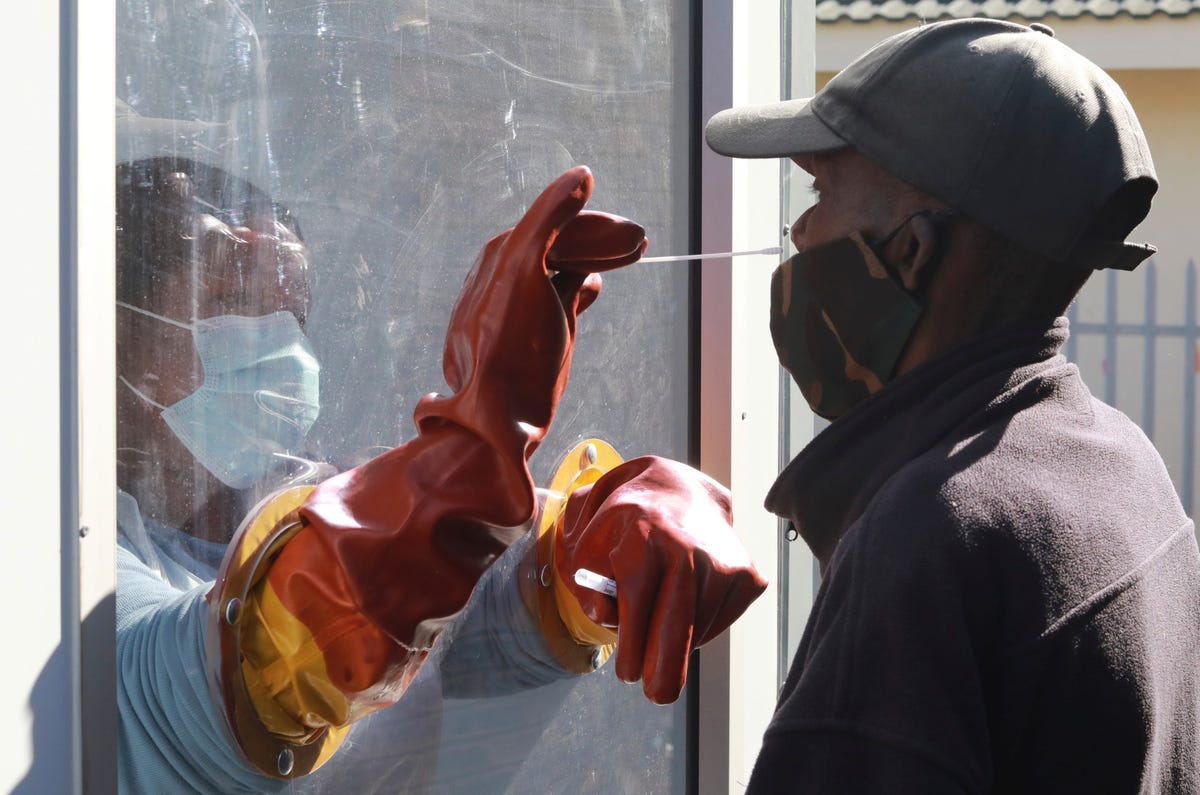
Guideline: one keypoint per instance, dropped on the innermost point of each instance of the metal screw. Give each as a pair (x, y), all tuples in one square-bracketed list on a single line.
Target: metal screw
[(285, 761), (233, 611), (83, 531), (597, 659), (590, 453)]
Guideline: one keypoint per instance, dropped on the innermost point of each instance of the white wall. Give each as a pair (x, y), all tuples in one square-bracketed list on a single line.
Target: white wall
[(57, 402), (37, 692)]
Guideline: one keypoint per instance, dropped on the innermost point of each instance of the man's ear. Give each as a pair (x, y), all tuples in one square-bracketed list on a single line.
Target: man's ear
[(913, 252)]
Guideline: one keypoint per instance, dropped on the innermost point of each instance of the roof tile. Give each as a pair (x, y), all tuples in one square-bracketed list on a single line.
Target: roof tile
[(832, 11)]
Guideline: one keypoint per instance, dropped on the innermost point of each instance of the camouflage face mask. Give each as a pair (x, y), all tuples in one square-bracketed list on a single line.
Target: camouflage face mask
[(840, 322)]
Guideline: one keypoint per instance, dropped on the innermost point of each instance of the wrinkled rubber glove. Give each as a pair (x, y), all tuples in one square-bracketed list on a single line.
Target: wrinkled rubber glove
[(664, 532), (387, 553)]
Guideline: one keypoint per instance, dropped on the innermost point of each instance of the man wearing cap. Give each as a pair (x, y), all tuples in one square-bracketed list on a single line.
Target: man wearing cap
[(1011, 590)]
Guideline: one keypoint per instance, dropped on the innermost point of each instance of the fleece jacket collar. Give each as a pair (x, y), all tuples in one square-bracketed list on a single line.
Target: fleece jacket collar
[(830, 483)]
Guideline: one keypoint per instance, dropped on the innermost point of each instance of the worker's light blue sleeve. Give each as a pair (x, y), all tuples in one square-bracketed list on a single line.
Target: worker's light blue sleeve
[(171, 738), (496, 646), (467, 722)]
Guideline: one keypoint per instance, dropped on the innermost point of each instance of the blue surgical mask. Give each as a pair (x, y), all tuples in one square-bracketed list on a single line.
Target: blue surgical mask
[(258, 400)]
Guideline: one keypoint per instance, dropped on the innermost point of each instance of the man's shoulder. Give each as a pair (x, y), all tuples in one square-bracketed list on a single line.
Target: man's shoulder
[(1067, 455), (1055, 501)]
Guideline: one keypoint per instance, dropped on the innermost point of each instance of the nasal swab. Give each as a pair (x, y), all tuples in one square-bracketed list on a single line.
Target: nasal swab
[(773, 250)]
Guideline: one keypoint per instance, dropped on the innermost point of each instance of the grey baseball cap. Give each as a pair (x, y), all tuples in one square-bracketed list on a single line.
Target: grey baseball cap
[(1003, 122)]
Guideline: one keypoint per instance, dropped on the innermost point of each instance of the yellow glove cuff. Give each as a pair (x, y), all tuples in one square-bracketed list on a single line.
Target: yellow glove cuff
[(267, 670), (577, 643)]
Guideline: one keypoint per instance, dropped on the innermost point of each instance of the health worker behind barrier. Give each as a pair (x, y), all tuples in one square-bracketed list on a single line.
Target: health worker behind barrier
[(245, 657), (1010, 587)]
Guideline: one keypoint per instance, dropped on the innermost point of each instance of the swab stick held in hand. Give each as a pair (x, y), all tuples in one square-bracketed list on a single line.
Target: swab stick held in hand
[(772, 250)]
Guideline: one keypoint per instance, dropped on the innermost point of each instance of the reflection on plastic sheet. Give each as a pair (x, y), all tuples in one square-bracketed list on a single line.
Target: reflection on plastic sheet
[(400, 136)]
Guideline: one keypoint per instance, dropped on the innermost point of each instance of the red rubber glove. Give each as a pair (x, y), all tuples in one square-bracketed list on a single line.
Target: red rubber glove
[(389, 552), (664, 532)]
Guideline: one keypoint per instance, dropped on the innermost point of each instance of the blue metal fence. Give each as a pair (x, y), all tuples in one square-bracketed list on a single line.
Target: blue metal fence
[(1150, 330)]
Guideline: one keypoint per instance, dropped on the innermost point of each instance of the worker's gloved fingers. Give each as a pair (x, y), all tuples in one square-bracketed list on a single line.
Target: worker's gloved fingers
[(599, 607), (635, 597), (592, 242), (519, 252), (669, 638), (577, 291), (742, 589), (552, 209), (569, 559), (665, 531)]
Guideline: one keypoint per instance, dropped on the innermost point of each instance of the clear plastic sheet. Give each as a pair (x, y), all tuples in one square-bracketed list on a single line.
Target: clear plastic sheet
[(394, 138)]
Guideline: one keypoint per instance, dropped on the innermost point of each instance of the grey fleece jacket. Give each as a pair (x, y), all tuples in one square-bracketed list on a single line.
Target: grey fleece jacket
[(1011, 592)]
